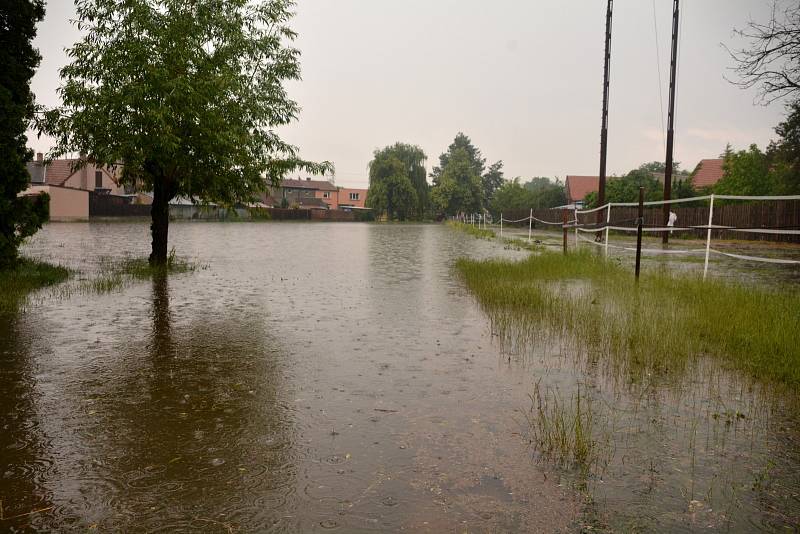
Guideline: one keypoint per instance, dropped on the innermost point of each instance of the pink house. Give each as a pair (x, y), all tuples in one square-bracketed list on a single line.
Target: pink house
[(318, 194), (63, 173)]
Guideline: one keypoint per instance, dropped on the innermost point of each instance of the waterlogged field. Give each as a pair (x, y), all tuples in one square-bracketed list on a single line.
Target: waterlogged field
[(299, 377), (673, 403), (347, 377)]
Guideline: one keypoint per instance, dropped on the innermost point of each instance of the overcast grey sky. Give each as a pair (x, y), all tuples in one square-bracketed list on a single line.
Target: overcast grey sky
[(522, 78)]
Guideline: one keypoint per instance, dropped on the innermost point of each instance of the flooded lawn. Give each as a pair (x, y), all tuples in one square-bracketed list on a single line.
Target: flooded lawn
[(308, 377), (324, 377)]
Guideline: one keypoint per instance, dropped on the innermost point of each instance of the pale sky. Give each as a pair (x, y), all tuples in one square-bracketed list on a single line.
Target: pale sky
[(522, 78)]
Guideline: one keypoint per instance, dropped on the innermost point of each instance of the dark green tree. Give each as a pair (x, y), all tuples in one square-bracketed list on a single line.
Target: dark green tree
[(626, 188), (187, 96), (459, 187), (546, 193), (474, 156), (492, 180), (747, 172), (413, 159), (391, 191), (20, 217), (785, 152)]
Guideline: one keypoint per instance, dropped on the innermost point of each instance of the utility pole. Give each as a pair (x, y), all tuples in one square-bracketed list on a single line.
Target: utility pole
[(601, 193), (671, 116)]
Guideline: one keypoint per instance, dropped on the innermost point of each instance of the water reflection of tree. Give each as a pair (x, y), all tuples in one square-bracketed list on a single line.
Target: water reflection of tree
[(200, 435), (25, 460)]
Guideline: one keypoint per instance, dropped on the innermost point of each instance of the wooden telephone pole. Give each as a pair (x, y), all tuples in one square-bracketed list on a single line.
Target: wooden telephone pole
[(601, 193), (671, 116)]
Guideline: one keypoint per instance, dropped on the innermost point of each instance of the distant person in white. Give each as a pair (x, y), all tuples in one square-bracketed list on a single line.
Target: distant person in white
[(672, 218)]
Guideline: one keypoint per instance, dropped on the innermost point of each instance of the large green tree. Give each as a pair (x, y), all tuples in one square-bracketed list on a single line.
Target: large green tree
[(186, 95), (459, 187), (473, 154), (391, 191), (413, 160), (785, 153), (20, 217)]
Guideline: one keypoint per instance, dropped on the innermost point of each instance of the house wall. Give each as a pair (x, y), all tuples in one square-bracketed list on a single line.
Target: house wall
[(332, 200), (65, 204), (84, 179), (344, 198)]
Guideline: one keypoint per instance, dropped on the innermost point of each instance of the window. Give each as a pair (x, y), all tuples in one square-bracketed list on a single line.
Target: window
[(326, 194), (98, 179), (354, 196)]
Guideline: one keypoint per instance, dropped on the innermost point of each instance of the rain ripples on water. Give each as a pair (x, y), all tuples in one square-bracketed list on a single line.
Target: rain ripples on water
[(339, 377)]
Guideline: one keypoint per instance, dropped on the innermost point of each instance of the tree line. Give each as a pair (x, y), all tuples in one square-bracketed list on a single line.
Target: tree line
[(460, 183)]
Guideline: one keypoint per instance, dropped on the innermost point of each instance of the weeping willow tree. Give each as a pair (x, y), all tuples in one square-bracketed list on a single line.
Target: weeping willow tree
[(187, 96), (389, 170)]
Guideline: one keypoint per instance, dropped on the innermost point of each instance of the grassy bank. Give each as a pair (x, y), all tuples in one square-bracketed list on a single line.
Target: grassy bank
[(28, 276), (659, 325), (471, 230)]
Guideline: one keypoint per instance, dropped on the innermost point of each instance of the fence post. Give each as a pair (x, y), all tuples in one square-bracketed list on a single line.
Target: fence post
[(708, 235), (530, 226), (564, 226), (639, 222), (608, 220), (501, 224), (576, 226)]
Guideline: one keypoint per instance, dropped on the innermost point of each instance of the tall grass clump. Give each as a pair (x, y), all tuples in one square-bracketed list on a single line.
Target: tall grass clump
[(660, 324), (25, 277), (564, 431), (472, 230)]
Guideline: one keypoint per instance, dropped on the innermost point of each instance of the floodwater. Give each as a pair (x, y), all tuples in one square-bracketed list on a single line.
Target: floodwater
[(308, 377), (339, 377)]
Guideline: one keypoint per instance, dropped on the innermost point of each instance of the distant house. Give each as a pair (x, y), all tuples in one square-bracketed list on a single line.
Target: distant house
[(64, 173), (579, 186), (315, 194), (707, 173), (69, 187)]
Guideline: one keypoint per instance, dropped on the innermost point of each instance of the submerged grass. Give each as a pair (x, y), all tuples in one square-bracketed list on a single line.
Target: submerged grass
[(114, 273), (26, 277), (565, 432), (472, 230), (660, 324)]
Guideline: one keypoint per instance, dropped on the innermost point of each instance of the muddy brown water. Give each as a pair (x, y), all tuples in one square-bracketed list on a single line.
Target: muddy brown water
[(339, 377), (311, 377)]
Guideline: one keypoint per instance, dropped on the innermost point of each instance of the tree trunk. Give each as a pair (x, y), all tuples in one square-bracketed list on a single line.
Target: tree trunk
[(164, 190)]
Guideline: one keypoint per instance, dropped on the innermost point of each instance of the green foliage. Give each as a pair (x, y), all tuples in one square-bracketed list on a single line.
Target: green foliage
[(492, 181), (626, 188), (476, 159), (538, 193), (186, 95), (785, 153), (25, 277), (459, 186), (20, 217), (390, 189), (412, 160), (747, 172)]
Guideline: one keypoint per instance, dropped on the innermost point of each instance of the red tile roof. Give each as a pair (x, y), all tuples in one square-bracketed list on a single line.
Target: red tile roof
[(708, 173), (318, 185), (59, 171), (580, 186)]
